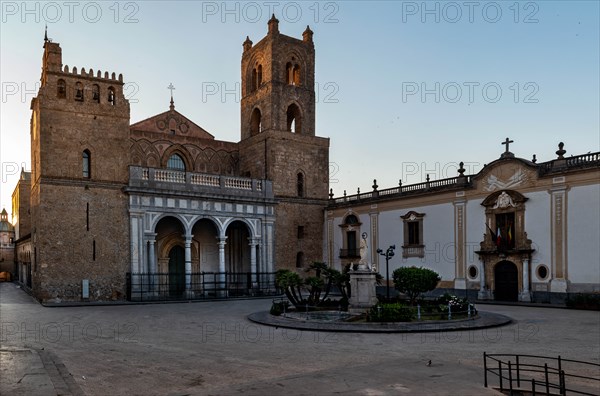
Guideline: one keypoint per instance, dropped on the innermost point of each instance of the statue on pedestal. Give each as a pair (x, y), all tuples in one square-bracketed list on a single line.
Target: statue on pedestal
[(364, 253)]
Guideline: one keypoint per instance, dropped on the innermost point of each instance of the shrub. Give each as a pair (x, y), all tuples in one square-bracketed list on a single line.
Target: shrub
[(279, 307), (414, 281), (391, 313)]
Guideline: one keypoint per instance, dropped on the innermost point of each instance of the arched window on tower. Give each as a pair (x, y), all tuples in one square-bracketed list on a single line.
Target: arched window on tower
[(259, 76), (96, 93), (111, 96), (255, 123), (61, 89), (254, 80), (296, 75), (175, 162), (300, 184), (87, 164), (289, 73), (294, 119), (79, 92)]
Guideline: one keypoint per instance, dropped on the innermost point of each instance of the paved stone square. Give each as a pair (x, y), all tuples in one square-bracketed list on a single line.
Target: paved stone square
[(210, 348)]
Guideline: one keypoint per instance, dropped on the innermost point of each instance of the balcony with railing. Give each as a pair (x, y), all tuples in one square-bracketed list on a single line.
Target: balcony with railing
[(142, 179)]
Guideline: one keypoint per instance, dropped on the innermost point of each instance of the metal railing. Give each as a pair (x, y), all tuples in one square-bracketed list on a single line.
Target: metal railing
[(541, 374), (199, 285)]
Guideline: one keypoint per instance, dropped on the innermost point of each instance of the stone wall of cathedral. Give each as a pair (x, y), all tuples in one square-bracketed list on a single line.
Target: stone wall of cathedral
[(80, 158), (86, 237)]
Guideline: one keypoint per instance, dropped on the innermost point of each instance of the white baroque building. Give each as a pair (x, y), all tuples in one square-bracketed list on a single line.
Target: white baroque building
[(516, 231)]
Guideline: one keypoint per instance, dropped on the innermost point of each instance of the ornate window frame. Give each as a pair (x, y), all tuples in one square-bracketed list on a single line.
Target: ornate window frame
[(348, 226), (505, 202), (410, 248)]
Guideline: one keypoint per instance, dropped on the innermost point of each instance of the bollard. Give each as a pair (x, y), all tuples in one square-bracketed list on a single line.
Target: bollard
[(418, 311)]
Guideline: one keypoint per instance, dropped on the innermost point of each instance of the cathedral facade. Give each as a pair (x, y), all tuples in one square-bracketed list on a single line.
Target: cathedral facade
[(516, 231), (160, 208)]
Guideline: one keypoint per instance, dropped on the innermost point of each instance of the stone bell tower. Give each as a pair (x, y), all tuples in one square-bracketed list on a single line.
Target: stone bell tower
[(279, 142), (80, 157)]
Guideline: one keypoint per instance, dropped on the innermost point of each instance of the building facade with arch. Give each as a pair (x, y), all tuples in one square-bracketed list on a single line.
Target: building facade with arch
[(140, 210), (516, 231)]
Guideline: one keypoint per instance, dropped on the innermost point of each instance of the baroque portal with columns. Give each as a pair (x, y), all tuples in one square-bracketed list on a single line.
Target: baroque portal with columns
[(505, 251)]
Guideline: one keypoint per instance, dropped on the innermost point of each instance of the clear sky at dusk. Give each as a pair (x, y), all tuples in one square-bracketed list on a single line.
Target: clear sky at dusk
[(404, 88)]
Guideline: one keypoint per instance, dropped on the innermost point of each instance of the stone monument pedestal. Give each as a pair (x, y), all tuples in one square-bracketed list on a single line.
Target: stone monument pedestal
[(362, 289)]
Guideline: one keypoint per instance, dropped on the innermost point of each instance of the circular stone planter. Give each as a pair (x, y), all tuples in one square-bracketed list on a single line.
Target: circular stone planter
[(299, 321)]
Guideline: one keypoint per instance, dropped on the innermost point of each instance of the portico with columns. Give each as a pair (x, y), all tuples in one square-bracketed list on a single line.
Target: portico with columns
[(191, 246)]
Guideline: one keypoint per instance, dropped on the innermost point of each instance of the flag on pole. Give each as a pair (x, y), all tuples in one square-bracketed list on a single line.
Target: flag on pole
[(498, 238), (493, 235), (509, 235)]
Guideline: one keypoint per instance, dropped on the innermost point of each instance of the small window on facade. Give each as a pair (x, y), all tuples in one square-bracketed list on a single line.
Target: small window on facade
[(176, 162), (289, 73), (61, 89), (300, 184), (79, 92), (111, 96), (473, 272), (300, 260), (296, 75), (413, 235), (254, 79), (259, 76), (300, 232), (87, 164), (294, 120), (351, 244), (542, 272), (96, 93), (255, 123)]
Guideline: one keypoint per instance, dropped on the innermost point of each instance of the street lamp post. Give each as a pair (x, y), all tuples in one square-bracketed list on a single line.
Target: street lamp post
[(389, 253)]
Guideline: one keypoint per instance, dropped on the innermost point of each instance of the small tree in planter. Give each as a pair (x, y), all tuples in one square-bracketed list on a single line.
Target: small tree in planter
[(317, 287), (414, 281), (291, 283)]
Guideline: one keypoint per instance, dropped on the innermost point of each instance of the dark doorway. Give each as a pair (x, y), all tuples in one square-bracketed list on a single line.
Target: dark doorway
[(176, 271), (506, 281)]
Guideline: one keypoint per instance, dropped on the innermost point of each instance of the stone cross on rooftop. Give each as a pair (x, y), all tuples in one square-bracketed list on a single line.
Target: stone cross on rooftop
[(507, 153), (171, 88)]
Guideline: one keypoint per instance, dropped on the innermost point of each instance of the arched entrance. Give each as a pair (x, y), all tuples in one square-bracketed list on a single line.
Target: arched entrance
[(176, 271), (506, 281), (205, 251), (237, 250)]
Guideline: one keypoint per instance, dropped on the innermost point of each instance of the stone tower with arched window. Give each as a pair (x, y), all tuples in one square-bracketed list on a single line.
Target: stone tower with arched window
[(279, 142), (80, 158)]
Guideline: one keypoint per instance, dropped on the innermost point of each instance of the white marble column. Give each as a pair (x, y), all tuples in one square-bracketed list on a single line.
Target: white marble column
[(152, 266), (253, 261), (525, 294), (136, 253), (188, 264), (135, 247), (222, 242)]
